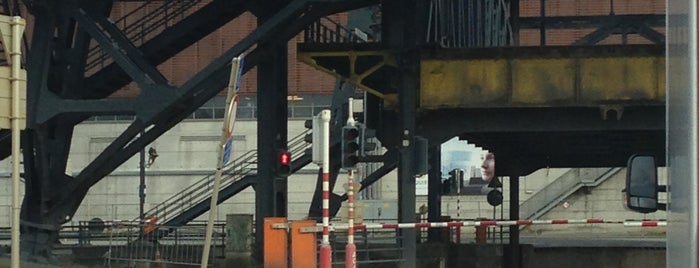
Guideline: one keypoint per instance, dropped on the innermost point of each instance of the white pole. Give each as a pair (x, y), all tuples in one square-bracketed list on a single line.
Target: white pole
[(325, 248), (350, 248), (225, 133), (15, 55), (350, 113)]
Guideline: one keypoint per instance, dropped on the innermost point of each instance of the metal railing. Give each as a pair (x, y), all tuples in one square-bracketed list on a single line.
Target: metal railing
[(142, 24), (468, 23), (180, 248), (374, 247), (563, 186), (327, 30), (203, 189)]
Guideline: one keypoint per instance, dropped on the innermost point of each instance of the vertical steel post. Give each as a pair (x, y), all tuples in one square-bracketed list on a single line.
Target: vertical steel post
[(514, 259), (514, 22), (142, 184), (272, 131), (542, 27), (434, 192), (17, 24)]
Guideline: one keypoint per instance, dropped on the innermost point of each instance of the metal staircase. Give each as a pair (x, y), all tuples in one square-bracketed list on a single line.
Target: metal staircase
[(564, 186), (139, 26), (160, 35), (195, 200)]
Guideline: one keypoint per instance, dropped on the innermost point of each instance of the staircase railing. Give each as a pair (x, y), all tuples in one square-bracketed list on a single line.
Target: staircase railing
[(327, 30), (203, 189), (563, 186), (139, 27)]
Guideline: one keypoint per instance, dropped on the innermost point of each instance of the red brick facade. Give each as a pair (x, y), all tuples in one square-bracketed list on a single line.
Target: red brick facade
[(306, 80)]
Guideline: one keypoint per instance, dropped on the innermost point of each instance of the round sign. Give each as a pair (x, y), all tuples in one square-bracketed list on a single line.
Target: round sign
[(494, 198), (231, 113)]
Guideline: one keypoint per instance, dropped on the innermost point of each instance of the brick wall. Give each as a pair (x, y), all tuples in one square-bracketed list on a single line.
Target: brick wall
[(532, 8), (303, 79)]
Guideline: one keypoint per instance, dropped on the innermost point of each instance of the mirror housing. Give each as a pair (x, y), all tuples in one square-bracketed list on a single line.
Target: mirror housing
[(641, 193)]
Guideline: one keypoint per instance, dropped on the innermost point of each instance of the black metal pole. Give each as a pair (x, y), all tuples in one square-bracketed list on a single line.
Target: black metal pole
[(142, 184), (542, 29), (514, 260), (434, 192), (272, 91), (514, 21)]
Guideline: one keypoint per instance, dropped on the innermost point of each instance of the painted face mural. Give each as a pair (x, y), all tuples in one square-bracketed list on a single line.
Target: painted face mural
[(488, 167)]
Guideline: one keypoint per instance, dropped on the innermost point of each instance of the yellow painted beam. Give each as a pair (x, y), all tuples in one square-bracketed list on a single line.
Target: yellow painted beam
[(541, 82)]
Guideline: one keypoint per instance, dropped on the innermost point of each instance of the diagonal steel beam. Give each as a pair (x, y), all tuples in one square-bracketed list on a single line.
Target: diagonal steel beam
[(597, 35), (120, 49), (168, 43), (202, 87), (193, 94), (390, 163), (651, 34)]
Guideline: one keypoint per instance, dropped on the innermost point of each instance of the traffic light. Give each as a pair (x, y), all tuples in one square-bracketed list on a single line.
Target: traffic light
[(284, 163), (350, 147), (365, 142)]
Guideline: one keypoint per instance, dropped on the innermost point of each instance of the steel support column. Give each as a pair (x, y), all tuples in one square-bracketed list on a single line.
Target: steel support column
[(403, 32), (434, 191), (400, 35), (514, 22), (272, 90), (513, 258)]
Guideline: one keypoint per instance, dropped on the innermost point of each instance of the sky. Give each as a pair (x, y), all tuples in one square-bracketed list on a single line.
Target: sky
[(460, 154)]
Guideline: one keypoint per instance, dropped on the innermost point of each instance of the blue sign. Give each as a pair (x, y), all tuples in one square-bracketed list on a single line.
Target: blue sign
[(241, 65), (227, 151)]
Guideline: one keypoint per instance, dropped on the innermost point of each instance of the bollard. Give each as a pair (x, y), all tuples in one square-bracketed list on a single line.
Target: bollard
[(275, 244)]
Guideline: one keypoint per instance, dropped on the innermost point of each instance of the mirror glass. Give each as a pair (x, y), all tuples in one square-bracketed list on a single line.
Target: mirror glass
[(642, 184)]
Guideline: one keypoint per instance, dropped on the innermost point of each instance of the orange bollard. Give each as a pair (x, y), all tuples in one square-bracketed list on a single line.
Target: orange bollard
[(275, 244), (303, 245)]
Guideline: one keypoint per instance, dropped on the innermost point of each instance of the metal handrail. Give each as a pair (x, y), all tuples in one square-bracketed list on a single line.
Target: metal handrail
[(326, 30), (147, 24), (565, 183), (202, 189), (198, 189)]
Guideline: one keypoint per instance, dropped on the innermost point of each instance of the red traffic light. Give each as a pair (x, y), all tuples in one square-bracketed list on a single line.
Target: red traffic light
[(351, 133), (284, 158)]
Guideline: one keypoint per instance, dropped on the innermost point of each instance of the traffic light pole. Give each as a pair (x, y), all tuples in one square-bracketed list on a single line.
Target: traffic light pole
[(351, 248), (325, 248)]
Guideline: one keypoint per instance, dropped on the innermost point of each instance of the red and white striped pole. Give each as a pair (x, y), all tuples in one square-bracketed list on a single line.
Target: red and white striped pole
[(645, 223), (325, 248), (351, 248), (455, 224)]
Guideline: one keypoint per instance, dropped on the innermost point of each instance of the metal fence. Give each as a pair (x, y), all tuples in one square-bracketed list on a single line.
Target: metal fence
[(468, 23), (181, 247)]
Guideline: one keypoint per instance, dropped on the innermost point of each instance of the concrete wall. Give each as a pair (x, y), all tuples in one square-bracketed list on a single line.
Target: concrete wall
[(187, 154)]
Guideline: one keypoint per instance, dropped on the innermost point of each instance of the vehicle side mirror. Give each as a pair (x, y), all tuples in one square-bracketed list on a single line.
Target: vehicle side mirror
[(641, 184)]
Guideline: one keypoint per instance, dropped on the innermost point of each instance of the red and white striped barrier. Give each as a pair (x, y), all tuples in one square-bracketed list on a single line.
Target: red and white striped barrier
[(455, 224), (458, 224), (645, 223), (469, 223)]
